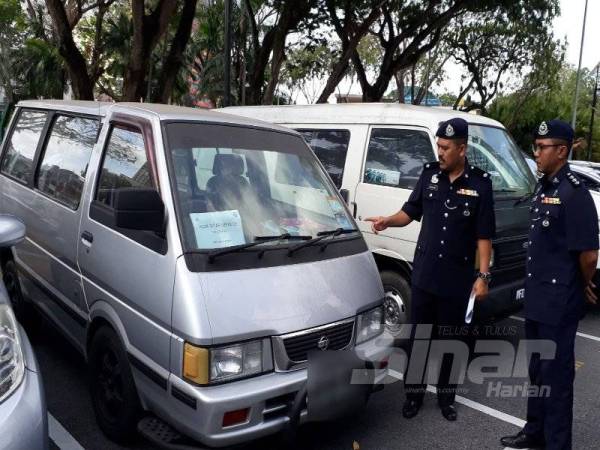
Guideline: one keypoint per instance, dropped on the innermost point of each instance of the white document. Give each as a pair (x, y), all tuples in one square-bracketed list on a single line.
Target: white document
[(470, 306), (218, 229)]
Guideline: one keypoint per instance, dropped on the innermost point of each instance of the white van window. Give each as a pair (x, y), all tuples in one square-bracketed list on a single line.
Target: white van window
[(236, 185), (396, 157), (125, 164), (491, 149), (331, 147), (65, 160), (18, 159)]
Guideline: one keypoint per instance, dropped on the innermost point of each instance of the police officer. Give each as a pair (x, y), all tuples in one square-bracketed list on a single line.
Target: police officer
[(456, 203), (561, 260)]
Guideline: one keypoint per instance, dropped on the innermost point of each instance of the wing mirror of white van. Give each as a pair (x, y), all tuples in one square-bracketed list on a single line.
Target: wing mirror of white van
[(12, 231), (345, 194), (139, 209)]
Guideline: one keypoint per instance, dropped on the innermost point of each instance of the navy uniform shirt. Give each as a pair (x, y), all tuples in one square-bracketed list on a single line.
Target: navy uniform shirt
[(564, 223), (455, 215)]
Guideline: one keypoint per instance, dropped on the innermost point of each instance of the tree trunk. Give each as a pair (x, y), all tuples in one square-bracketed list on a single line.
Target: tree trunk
[(147, 30), (335, 78), (174, 61), (83, 88)]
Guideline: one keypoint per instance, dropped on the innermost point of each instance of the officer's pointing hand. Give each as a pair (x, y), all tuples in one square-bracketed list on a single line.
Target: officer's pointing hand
[(378, 223), (590, 295)]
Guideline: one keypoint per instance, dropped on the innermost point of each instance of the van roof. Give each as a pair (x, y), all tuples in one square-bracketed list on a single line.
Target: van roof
[(163, 112), (359, 113)]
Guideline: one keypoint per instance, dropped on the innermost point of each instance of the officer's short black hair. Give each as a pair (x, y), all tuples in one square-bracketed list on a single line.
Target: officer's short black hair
[(564, 142)]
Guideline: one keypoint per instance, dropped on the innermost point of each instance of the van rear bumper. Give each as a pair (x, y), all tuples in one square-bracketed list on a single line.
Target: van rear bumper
[(268, 398), (502, 301)]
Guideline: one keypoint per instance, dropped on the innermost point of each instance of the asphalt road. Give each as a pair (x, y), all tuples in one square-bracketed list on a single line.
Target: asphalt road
[(483, 418)]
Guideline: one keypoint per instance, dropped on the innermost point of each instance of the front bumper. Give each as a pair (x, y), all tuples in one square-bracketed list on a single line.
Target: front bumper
[(23, 416), (269, 397)]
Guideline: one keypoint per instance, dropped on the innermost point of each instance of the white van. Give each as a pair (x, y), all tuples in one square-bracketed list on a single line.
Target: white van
[(374, 154)]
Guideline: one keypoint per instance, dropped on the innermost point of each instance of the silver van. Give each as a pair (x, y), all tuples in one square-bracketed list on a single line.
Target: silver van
[(198, 260)]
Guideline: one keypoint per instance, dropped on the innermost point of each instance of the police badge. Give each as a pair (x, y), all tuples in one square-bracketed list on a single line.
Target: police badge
[(434, 179), (449, 131), (543, 130)]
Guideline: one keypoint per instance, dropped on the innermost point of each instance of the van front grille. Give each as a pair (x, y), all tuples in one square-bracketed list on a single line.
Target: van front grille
[(336, 337)]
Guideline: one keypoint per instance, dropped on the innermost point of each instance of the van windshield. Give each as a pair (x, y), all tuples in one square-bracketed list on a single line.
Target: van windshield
[(237, 185), (493, 150)]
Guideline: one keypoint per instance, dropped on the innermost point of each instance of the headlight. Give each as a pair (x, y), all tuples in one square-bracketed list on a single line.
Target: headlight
[(369, 324), (12, 366), (218, 364)]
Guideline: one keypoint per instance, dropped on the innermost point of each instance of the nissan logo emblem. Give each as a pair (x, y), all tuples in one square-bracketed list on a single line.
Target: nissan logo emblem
[(323, 343)]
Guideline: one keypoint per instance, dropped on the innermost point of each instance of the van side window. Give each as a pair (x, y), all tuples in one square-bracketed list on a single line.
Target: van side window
[(66, 157), (18, 159), (125, 164), (331, 147), (395, 157)]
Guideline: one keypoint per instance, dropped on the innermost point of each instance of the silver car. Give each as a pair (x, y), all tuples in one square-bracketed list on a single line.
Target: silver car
[(23, 417), (201, 262)]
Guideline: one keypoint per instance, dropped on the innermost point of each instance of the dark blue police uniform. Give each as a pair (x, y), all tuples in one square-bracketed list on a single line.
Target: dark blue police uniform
[(454, 215), (564, 223)]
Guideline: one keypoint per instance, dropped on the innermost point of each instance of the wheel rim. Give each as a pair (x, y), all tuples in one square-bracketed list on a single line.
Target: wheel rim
[(396, 312), (109, 383)]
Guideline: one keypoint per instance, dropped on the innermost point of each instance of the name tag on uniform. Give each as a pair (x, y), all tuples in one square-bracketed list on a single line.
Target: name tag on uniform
[(469, 192), (551, 200)]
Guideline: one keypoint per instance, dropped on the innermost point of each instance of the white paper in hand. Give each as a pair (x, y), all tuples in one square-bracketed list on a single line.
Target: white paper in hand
[(470, 306)]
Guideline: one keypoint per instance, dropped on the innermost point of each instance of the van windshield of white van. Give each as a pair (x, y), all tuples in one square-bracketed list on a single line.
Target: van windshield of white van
[(238, 185), (493, 150)]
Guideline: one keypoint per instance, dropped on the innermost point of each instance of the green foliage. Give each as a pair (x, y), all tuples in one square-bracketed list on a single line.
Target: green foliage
[(522, 112)]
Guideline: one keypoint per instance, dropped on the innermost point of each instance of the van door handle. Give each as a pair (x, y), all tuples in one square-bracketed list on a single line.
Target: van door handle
[(87, 236), (354, 206)]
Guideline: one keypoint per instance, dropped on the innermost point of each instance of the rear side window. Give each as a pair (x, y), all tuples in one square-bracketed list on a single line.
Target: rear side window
[(395, 157), (66, 157), (23, 142), (125, 164), (331, 147)]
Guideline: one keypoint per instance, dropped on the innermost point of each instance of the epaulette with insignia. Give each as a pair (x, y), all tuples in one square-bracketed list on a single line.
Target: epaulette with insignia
[(575, 181), (477, 171), (432, 165)]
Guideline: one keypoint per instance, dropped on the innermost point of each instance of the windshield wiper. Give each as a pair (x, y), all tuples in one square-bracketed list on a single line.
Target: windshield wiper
[(320, 236), (257, 241)]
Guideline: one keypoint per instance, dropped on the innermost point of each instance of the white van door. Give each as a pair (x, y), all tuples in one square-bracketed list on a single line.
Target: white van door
[(393, 160)]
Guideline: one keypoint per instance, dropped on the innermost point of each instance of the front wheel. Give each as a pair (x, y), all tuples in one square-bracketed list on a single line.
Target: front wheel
[(114, 395), (397, 299)]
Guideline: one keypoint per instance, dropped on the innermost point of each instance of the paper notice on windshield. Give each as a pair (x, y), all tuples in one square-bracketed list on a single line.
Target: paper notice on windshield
[(218, 229), (470, 307)]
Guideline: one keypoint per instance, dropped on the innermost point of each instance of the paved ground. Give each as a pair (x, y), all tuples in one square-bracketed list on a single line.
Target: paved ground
[(482, 419)]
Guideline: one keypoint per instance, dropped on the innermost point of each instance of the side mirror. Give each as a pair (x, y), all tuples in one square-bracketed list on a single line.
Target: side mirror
[(345, 194), (12, 231), (138, 209)]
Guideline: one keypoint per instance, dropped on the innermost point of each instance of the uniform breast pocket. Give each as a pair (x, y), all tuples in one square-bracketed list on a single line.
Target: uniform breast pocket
[(550, 217), (431, 194), (466, 206)]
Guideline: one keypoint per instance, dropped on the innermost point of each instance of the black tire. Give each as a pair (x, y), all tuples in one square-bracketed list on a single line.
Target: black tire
[(114, 395), (397, 299), (24, 310)]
